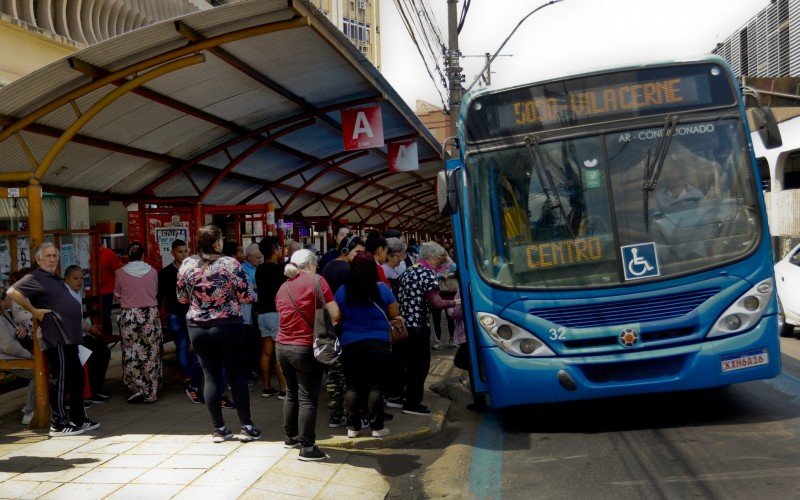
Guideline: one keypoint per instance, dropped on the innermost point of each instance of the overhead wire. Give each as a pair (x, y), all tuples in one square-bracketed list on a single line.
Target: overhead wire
[(463, 16)]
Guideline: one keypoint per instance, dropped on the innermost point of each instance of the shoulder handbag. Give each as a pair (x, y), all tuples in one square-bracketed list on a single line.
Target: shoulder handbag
[(448, 285), (397, 327), (327, 348)]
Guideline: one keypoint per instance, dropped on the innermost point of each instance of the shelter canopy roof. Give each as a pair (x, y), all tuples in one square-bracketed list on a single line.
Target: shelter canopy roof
[(236, 105)]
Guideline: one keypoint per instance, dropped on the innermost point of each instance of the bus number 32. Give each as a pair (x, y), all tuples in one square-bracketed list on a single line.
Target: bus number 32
[(558, 333)]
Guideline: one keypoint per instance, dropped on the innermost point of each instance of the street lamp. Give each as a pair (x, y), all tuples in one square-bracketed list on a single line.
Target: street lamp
[(489, 62)]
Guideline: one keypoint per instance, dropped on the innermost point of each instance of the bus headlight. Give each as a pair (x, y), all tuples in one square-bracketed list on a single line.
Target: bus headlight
[(511, 338), (745, 312)]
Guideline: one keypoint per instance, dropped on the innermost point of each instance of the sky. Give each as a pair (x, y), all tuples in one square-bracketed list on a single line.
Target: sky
[(565, 38)]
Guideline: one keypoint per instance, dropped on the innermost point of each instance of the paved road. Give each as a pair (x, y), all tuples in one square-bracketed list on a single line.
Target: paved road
[(740, 442)]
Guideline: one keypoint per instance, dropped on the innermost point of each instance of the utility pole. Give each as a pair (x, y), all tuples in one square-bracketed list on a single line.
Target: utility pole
[(453, 67), (486, 76)]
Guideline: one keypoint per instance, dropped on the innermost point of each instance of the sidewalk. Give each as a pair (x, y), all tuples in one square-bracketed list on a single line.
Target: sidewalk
[(164, 450)]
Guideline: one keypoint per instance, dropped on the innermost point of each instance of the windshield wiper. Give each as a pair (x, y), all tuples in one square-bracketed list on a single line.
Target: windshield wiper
[(540, 163), (652, 169)]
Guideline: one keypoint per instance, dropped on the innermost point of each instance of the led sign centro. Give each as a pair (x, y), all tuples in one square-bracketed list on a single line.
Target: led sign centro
[(564, 252), (605, 100)]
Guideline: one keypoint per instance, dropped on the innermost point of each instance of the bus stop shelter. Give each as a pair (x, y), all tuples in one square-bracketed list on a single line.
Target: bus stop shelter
[(237, 105)]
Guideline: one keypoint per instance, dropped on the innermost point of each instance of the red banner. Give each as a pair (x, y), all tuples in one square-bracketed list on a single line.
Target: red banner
[(362, 128), (403, 156)]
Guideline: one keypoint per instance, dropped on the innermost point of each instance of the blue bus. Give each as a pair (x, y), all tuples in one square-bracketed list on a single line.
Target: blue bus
[(612, 236)]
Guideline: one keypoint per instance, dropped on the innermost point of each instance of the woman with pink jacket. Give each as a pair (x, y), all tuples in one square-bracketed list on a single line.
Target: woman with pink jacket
[(135, 286)]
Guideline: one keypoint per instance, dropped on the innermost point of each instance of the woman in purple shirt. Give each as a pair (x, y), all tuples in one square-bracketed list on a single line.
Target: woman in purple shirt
[(136, 285)]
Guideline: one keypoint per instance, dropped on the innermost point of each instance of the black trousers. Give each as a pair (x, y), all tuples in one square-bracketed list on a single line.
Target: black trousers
[(218, 347), (106, 302), (303, 374), (364, 365), (66, 381), (437, 323), (98, 362), (414, 362)]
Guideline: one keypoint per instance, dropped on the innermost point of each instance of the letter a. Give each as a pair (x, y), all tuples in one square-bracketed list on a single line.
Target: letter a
[(362, 126)]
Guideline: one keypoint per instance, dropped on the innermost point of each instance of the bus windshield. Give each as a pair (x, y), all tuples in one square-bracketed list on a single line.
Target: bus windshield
[(611, 208)]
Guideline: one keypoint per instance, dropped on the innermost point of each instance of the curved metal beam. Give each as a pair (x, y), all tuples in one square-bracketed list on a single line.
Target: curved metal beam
[(146, 64), (264, 142), (346, 185), (105, 101), (315, 177), (369, 200)]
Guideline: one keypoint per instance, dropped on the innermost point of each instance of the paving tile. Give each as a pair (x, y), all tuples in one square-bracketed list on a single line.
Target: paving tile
[(241, 478), (53, 473), (210, 448), (261, 449), (40, 490), (151, 448), (220, 492), (79, 459), (190, 462), (56, 446), (169, 476), (319, 471), (5, 476), (106, 475), (15, 488), (288, 485), (360, 479), (22, 463), (71, 491), (255, 494), (106, 446), (254, 464), (172, 438), (149, 491), (139, 461), (335, 491), (126, 436)]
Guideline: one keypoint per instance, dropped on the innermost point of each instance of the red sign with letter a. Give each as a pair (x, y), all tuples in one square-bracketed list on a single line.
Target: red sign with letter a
[(403, 156), (362, 128)]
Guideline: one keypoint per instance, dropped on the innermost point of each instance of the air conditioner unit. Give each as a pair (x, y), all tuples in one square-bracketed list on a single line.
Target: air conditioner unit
[(362, 4)]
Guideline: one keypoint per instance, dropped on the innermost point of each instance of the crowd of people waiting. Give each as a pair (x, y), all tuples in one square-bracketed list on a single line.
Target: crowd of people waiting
[(236, 313)]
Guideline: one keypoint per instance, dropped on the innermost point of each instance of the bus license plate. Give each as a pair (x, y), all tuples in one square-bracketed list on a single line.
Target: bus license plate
[(745, 360)]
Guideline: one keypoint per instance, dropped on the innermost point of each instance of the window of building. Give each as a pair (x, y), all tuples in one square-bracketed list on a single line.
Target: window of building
[(356, 30)]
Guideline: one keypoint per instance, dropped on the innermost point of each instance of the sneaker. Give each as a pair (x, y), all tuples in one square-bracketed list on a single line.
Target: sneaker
[(335, 422), (66, 430), (249, 433), (281, 395), (87, 404), (26, 418), (269, 392), (394, 402), (221, 435), (312, 453), (379, 433), (353, 433), (291, 442), (251, 384), (364, 423), (227, 404), (88, 425), (417, 410), (194, 395), (135, 398), (436, 346), (103, 395), (97, 399)]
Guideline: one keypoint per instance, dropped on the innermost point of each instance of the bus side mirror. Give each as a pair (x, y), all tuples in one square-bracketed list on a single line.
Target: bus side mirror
[(767, 126), (446, 192)]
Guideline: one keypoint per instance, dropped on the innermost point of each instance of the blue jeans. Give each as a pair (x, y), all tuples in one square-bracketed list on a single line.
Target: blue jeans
[(187, 360)]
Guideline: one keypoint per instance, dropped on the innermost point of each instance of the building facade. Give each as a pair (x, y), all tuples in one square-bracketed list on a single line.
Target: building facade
[(765, 55), (359, 20)]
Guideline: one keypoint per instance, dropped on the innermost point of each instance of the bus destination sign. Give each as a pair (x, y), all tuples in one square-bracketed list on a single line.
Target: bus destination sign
[(604, 101), (598, 98)]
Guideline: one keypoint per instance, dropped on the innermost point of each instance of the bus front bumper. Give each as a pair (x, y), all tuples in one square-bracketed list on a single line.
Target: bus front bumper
[(749, 356)]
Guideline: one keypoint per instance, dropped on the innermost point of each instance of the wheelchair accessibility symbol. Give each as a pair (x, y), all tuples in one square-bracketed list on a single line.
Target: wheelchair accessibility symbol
[(640, 261)]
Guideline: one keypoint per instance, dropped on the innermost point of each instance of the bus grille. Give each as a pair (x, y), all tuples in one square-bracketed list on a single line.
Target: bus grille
[(626, 311), (634, 370)]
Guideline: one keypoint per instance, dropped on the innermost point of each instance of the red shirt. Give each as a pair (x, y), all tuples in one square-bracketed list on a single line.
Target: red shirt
[(382, 276), (109, 263), (292, 328)]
